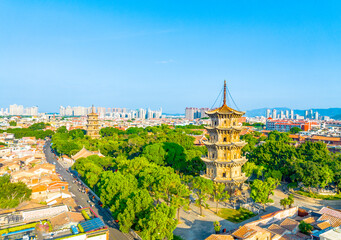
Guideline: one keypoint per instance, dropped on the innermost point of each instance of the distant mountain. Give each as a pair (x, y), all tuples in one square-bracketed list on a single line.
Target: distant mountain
[(337, 117), (330, 112)]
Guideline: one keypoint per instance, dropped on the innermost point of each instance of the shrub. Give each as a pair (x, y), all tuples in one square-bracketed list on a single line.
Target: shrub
[(85, 215), (305, 227), (217, 226), (176, 237), (80, 228)]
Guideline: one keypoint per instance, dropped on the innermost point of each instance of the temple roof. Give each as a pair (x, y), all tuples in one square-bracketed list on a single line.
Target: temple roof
[(224, 110), (85, 153)]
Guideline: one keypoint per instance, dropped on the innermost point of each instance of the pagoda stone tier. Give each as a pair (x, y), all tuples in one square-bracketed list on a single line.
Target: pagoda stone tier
[(92, 126), (224, 160)]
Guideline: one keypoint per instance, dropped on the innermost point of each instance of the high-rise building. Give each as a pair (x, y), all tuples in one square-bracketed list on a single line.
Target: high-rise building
[(306, 115), (287, 114), (203, 112), (16, 109), (268, 113), (192, 113), (274, 114), (68, 111), (292, 114), (92, 126), (31, 111), (316, 115), (189, 113), (224, 159), (62, 111)]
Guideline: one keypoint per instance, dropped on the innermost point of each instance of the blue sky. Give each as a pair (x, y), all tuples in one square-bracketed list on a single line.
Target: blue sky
[(170, 54)]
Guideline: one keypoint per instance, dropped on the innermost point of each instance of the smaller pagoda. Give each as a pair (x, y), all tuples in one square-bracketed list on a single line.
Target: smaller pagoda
[(92, 126)]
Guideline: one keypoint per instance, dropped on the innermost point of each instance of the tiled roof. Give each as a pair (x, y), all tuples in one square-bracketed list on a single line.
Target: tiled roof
[(331, 212), (289, 224), (277, 229), (224, 110), (334, 221), (309, 220), (244, 232), (219, 237), (323, 225), (65, 218), (39, 188), (316, 137)]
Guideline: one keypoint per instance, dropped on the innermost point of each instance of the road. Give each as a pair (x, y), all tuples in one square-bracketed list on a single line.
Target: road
[(82, 198)]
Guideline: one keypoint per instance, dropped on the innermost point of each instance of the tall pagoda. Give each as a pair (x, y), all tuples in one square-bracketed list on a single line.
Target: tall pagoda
[(92, 126), (224, 160)]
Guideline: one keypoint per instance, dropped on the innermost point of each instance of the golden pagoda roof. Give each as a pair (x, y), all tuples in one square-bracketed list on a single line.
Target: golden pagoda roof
[(238, 128), (225, 110)]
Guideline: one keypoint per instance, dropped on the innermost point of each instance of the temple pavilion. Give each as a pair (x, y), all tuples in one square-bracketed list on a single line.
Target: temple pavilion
[(224, 160)]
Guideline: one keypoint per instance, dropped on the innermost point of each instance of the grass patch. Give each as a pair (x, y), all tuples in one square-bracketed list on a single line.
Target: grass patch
[(235, 216), (319, 196)]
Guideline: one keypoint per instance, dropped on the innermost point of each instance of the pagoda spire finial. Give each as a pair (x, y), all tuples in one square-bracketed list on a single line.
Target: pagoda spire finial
[(224, 92), (92, 109)]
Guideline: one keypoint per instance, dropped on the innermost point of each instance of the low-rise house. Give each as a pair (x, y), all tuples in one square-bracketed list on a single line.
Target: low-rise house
[(284, 225)]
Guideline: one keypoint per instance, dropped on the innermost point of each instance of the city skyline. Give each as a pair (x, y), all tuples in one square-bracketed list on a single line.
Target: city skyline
[(155, 54)]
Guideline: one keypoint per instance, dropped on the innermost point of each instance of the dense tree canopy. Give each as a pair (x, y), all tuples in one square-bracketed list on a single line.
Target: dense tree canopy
[(141, 194), (161, 145), (310, 163), (28, 132)]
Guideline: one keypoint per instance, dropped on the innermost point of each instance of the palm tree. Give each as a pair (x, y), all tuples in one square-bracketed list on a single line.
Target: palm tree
[(284, 202)]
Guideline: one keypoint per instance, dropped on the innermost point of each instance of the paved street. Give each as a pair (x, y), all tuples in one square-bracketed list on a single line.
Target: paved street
[(82, 198)]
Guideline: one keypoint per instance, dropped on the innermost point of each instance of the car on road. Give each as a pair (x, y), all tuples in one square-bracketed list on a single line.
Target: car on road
[(79, 207)]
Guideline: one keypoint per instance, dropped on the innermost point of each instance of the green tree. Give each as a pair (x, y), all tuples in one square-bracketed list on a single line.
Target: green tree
[(135, 207), (284, 202), (12, 194), (180, 198), (203, 188), (159, 223), (290, 200), (295, 130), (155, 153), (260, 191), (305, 227), (219, 194), (37, 126), (13, 123)]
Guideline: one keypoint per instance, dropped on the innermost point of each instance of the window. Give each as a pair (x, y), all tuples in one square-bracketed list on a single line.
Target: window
[(224, 139), (63, 187), (224, 174)]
